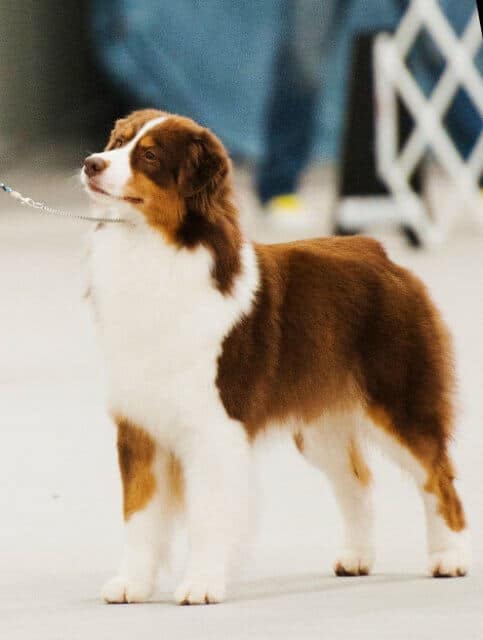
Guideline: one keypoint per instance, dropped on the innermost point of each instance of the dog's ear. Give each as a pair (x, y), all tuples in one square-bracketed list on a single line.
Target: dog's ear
[(205, 166)]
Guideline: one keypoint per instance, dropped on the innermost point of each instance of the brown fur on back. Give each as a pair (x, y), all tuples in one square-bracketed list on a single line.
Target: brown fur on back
[(334, 323)]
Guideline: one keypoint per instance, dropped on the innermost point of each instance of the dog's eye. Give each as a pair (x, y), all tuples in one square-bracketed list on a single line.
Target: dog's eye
[(118, 142), (150, 156)]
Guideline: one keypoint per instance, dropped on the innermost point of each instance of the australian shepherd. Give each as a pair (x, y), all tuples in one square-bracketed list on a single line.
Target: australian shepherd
[(211, 339)]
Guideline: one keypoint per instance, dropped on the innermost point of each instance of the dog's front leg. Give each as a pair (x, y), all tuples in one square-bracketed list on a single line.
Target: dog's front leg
[(218, 477), (152, 494)]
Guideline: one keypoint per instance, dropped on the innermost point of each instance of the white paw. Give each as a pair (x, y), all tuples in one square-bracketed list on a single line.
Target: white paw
[(121, 590), (354, 562), (200, 591), (453, 563)]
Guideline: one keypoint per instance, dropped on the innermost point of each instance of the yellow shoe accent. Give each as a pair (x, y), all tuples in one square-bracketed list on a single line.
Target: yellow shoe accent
[(286, 203), (287, 211)]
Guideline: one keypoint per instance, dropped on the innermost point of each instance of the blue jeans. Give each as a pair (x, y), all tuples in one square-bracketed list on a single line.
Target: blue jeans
[(297, 78), (269, 77), (307, 106)]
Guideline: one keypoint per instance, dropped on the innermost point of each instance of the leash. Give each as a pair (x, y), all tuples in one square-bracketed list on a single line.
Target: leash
[(43, 208)]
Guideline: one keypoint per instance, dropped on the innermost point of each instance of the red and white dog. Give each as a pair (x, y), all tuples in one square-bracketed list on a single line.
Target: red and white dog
[(211, 339)]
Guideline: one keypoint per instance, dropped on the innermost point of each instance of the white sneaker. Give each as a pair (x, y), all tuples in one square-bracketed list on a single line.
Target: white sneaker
[(287, 211)]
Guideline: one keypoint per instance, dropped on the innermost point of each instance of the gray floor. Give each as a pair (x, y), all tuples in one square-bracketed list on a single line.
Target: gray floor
[(60, 534)]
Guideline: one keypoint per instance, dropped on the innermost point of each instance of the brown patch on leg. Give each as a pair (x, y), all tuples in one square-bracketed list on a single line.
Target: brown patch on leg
[(358, 466), (299, 441), (176, 482), (440, 482), (136, 451), (432, 455)]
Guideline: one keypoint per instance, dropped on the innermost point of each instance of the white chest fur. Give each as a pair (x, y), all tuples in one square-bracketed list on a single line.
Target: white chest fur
[(161, 325)]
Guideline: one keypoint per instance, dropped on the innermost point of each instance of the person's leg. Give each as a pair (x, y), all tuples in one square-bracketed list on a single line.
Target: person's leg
[(294, 97), (289, 129)]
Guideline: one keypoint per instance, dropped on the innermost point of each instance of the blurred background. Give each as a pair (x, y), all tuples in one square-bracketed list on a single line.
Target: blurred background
[(321, 144), (288, 85)]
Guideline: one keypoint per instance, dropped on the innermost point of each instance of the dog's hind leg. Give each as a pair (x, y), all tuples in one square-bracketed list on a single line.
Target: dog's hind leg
[(406, 377), (333, 445), (423, 452)]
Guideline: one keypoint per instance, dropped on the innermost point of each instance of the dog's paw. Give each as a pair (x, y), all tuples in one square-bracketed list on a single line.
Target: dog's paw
[(120, 590), (200, 591), (354, 562), (453, 563)]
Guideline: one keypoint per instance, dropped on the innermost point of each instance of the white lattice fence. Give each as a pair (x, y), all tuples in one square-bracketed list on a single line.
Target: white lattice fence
[(393, 78)]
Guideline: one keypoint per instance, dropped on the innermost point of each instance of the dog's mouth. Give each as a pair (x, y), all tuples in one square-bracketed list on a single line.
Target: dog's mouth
[(94, 187)]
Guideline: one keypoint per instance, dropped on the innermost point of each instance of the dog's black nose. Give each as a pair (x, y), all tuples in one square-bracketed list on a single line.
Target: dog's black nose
[(93, 165)]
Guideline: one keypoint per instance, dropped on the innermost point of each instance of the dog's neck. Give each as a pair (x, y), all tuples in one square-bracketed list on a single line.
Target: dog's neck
[(208, 222), (214, 224)]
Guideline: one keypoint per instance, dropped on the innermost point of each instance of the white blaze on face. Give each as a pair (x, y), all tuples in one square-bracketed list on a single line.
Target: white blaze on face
[(118, 172)]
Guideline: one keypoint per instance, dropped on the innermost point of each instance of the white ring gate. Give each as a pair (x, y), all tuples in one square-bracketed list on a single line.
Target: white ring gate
[(392, 78)]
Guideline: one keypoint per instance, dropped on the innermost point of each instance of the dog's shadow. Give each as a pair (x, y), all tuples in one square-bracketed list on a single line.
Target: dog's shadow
[(299, 584)]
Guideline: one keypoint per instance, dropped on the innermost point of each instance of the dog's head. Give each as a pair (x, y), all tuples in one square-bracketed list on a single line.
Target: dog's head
[(157, 165)]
